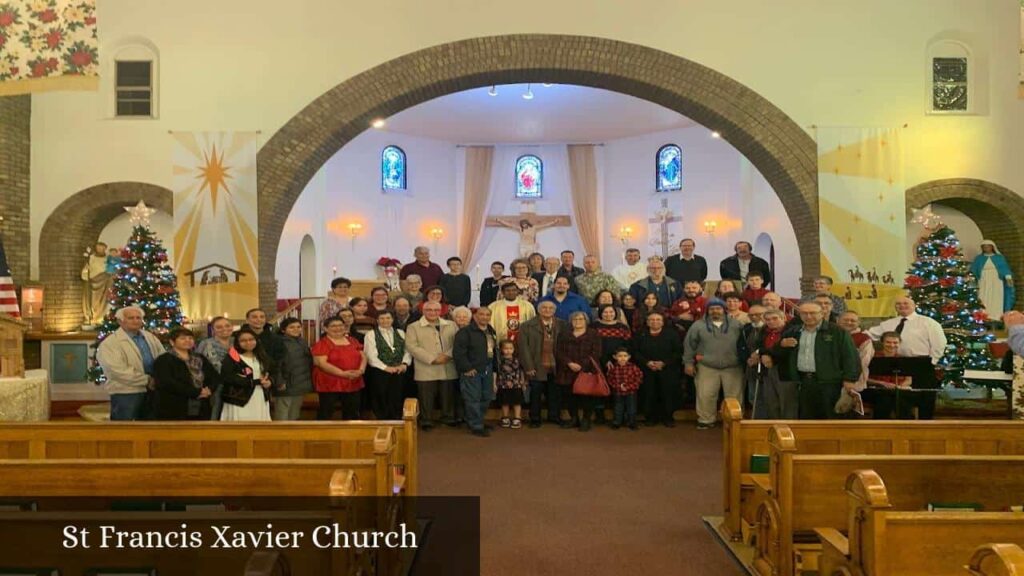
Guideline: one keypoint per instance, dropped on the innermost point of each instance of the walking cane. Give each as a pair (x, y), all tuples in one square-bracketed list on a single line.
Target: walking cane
[(757, 386)]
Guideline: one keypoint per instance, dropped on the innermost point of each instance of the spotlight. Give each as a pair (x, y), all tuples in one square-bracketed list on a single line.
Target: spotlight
[(716, 134), (378, 123), (528, 95), (493, 91)]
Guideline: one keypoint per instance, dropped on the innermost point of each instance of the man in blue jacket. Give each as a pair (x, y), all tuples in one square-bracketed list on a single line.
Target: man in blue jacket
[(475, 350), (566, 302)]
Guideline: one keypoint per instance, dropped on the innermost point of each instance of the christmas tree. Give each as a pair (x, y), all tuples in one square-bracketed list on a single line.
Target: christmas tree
[(142, 278), (941, 284)]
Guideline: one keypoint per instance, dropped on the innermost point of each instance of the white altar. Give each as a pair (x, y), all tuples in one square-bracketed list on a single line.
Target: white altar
[(25, 399)]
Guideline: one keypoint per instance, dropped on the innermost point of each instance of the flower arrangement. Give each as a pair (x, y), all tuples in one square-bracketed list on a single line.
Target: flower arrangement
[(389, 270)]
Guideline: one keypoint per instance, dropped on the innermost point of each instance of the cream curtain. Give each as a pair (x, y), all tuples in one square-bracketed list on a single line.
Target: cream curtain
[(583, 182), (479, 160)]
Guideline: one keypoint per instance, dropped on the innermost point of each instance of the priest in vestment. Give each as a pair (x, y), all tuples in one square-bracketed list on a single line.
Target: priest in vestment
[(509, 312), (96, 280), (633, 270), (995, 280)]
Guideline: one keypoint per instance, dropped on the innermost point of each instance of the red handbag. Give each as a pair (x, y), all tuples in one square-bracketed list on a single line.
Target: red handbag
[(591, 383)]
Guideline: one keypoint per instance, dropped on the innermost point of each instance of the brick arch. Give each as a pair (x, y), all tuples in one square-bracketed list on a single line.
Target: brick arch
[(998, 212), (772, 141), (75, 224)]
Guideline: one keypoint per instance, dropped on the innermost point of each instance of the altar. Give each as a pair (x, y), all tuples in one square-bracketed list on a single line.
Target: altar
[(25, 399)]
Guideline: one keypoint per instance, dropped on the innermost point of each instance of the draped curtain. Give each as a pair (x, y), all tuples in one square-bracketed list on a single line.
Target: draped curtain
[(583, 184), (479, 160)]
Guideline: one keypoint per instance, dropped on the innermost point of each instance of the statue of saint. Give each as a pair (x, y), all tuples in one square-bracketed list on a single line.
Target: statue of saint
[(96, 281)]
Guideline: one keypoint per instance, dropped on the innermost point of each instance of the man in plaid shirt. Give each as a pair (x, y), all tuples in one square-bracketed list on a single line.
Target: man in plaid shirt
[(624, 379)]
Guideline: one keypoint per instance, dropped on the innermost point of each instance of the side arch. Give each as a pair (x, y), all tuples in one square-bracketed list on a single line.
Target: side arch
[(74, 225), (998, 212)]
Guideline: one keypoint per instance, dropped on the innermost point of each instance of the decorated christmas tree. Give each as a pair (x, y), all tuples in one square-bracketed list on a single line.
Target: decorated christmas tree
[(941, 284), (143, 278)]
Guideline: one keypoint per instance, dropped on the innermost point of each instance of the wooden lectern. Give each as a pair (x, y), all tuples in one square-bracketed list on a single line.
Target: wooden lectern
[(12, 352)]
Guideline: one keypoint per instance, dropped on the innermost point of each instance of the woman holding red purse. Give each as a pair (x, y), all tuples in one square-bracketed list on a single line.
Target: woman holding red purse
[(577, 352)]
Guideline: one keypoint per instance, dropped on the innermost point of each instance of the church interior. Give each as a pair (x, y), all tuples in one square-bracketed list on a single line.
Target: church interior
[(629, 288)]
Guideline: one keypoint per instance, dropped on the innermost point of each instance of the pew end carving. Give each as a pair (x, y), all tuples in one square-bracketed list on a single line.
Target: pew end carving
[(996, 560)]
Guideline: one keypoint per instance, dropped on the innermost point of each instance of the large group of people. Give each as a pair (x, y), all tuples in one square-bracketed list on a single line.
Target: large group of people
[(541, 337)]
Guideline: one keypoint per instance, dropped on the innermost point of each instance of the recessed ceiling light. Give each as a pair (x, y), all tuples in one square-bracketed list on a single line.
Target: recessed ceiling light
[(548, 85), (528, 95), (378, 123), (493, 91), (716, 134)]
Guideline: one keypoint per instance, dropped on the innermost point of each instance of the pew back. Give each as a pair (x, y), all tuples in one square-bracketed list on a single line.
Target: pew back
[(217, 440), (745, 438)]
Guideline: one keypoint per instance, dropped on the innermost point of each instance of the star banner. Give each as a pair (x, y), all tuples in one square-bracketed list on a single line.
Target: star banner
[(215, 242), (861, 205)]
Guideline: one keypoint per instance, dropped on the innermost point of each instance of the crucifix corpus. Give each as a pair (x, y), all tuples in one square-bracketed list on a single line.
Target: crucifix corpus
[(663, 217), (527, 223)]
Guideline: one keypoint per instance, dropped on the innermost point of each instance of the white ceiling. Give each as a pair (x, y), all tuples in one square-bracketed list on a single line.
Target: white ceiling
[(557, 113)]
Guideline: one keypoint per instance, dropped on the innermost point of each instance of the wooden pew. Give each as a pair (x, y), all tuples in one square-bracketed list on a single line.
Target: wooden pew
[(744, 438), (997, 560), (804, 491), (290, 440), (196, 477), (885, 539)]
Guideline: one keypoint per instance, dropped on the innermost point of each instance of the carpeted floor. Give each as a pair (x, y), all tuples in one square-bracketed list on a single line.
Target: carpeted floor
[(556, 502)]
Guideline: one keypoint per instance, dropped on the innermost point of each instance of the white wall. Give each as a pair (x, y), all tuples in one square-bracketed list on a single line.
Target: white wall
[(718, 184), (966, 231), (243, 65), (347, 190), (119, 231)]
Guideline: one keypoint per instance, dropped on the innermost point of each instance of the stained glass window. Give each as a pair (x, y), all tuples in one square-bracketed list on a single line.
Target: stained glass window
[(669, 168), (393, 168), (949, 84), (529, 176)]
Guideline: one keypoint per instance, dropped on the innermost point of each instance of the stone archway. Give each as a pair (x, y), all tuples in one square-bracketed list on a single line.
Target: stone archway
[(784, 154), (998, 212), (75, 224)]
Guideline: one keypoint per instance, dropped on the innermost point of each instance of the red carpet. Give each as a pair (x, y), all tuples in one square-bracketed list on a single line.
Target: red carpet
[(559, 502)]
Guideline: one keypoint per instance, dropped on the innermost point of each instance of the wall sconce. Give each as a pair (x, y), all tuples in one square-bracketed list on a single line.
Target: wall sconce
[(355, 229), (709, 227), (436, 234), (32, 306)]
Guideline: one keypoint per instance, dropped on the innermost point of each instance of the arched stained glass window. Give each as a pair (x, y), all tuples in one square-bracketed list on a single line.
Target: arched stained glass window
[(393, 168), (529, 176), (669, 168)]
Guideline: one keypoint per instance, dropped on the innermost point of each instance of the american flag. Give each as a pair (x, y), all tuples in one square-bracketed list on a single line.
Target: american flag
[(8, 298)]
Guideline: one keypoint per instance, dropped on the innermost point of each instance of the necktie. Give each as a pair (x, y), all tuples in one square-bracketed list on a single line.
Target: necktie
[(902, 324)]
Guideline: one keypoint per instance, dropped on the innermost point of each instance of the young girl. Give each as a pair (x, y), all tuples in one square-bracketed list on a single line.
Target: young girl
[(647, 307), (510, 381)]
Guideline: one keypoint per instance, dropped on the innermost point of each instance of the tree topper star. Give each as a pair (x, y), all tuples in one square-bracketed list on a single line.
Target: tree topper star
[(925, 217), (140, 213)]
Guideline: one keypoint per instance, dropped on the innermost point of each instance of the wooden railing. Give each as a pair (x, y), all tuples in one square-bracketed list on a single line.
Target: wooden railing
[(310, 328)]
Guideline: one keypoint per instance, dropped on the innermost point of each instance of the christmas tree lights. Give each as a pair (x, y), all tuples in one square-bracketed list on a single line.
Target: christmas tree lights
[(144, 279), (941, 284)]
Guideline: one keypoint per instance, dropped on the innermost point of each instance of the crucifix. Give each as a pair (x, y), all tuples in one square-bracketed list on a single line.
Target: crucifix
[(527, 223), (663, 217)]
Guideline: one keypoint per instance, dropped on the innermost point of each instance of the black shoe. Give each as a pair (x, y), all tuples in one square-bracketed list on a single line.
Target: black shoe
[(452, 423), (534, 424), (670, 423), (566, 424), (633, 426), (427, 427), (483, 433), (705, 425), (488, 427), (615, 426)]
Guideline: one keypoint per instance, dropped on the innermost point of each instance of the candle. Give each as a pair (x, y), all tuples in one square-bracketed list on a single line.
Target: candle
[(478, 274)]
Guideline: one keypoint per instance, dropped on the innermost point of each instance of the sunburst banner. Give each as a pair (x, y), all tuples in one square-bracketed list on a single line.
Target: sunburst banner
[(215, 242), (861, 206)]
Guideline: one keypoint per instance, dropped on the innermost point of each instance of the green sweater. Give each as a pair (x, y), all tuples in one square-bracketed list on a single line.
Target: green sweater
[(835, 356)]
